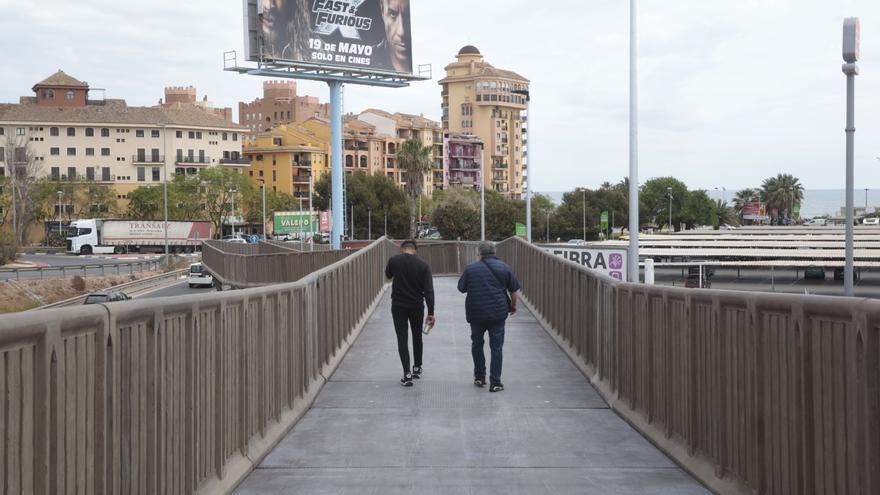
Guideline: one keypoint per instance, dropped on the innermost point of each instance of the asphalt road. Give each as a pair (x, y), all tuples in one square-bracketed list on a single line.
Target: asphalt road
[(787, 281), (177, 289)]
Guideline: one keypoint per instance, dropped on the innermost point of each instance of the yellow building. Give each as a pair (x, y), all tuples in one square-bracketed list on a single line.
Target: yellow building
[(290, 158), (478, 99)]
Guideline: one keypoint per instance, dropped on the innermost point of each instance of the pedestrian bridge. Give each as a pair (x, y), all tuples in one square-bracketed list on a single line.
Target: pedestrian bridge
[(292, 388)]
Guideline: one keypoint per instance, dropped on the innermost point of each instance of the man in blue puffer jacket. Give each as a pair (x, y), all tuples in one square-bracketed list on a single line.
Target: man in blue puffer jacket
[(487, 283)]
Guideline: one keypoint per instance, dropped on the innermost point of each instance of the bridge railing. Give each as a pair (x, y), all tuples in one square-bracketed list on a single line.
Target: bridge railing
[(254, 265), (174, 395), (752, 392)]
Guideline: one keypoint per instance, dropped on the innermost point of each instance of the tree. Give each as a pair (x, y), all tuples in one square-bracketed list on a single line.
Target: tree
[(781, 193), (742, 198), (502, 215), (542, 209), (185, 198), (457, 215), (373, 196), (697, 209), (656, 200), (415, 161), (146, 203), (723, 214), (93, 200), (23, 170), (220, 185)]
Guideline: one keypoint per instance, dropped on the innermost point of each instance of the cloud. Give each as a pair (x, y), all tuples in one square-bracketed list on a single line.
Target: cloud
[(729, 92)]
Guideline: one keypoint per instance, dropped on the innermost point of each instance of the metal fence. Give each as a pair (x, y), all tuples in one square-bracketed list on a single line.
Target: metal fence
[(752, 392), (85, 270), (173, 395)]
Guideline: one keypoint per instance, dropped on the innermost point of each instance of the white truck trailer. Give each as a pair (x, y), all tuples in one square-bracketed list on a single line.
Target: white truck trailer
[(100, 236)]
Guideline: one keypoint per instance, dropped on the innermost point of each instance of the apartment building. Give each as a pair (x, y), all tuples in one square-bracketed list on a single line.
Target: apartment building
[(399, 127), (289, 159), (72, 137), (478, 99), (280, 104), (462, 161)]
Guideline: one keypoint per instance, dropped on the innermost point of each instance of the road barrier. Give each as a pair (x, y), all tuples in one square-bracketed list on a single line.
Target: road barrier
[(83, 270), (129, 288), (753, 393)]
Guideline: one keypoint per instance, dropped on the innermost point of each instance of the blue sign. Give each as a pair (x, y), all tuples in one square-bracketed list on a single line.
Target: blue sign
[(255, 239)]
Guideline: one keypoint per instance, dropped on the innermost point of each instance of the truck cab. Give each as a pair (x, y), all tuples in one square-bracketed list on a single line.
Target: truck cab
[(83, 237)]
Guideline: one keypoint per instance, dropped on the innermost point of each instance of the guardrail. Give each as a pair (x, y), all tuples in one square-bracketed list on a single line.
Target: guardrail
[(70, 270), (172, 395), (751, 392), (129, 288)]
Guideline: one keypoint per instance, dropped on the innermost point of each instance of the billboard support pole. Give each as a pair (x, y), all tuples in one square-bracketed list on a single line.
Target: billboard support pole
[(338, 228), (850, 56)]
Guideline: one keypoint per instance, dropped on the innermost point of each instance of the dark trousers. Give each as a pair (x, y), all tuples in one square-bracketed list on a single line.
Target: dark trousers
[(412, 317), (496, 342)]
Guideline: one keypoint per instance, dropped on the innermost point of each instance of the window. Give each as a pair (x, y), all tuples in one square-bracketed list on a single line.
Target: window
[(71, 151), (259, 158), (90, 173), (2, 131), (105, 151), (235, 136), (55, 173), (90, 132), (274, 176), (226, 136), (105, 174), (179, 134), (192, 134), (70, 95), (198, 135), (2, 154), (19, 131), (55, 151), (90, 151), (141, 174), (71, 131), (71, 173), (139, 133), (156, 177), (53, 131), (48, 94), (154, 133), (261, 173), (105, 132)]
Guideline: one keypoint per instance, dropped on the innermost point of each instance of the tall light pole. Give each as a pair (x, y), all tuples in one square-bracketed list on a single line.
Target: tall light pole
[(165, 185), (232, 191), (337, 174), (866, 200), (548, 227), (263, 190), (482, 208), (669, 193), (633, 254), (584, 204), (369, 224), (60, 193), (529, 167), (851, 34)]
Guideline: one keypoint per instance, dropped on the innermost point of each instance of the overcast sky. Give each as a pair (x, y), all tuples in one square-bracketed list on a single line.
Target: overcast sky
[(730, 91)]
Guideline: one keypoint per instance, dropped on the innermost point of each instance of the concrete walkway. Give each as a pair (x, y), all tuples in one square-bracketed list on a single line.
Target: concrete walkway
[(548, 432)]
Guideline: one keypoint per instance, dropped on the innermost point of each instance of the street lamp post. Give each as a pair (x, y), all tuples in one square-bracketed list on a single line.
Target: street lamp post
[(165, 185), (584, 205), (669, 193), (633, 254), (60, 194), (529, 168), (851, 34), (263, 191), (548, 227), (866, 200), (386, 224), (369, 224)]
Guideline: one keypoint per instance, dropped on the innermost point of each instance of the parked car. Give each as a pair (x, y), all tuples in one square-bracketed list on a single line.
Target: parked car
[(838, 274), (432, 233), (199, 276), (871, 221), (235, 239), (817, 222), (693, 281), (577, 242), (106, 296), (814, 273)]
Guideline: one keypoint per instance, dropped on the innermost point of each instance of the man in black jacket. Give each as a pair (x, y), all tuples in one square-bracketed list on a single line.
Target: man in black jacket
[(412, 288)]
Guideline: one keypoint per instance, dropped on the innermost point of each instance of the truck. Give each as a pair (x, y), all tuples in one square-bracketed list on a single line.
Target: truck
[(105, 236)]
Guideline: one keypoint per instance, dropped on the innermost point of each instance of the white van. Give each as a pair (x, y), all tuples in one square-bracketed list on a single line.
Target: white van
[(199, 276)]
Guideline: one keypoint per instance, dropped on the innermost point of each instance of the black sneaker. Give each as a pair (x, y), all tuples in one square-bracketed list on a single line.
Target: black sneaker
[(417, 372), (406, 381), (479, 381), (496, 387)]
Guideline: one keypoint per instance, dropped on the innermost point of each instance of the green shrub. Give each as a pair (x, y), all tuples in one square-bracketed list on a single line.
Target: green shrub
[(7, 248)]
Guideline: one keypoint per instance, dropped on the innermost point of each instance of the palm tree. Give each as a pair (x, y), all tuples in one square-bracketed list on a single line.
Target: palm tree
[(415, 161), (741, 198), (781, 193), (723, 214)]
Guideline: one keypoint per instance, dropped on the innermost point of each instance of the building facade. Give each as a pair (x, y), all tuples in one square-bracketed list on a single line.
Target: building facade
[(280, 104), (288, 159), (71, 137), (186, 96), (479, 99), (463, 161)]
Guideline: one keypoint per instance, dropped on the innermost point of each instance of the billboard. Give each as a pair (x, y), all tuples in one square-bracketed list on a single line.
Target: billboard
[(291, 222), (608, 261), (369, 35), (754, 211)]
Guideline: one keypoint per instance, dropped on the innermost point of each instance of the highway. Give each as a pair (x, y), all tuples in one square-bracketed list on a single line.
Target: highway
[(176, 289), (781, 280)]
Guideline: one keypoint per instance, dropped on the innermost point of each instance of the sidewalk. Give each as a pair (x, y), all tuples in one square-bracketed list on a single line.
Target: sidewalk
[(548, 432)]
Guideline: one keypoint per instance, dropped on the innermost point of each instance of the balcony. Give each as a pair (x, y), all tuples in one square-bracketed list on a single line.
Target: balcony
[(302, 179), (303, 195), (193, 160), (302, 163), (235, 161), (147, 159)]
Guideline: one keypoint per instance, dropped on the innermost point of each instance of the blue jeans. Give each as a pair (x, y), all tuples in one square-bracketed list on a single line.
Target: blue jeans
[(496, 342)]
